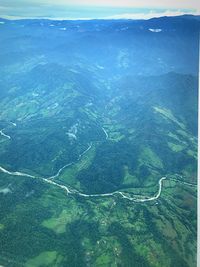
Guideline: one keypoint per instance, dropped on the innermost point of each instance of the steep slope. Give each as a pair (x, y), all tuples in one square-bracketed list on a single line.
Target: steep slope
[(98, 142)]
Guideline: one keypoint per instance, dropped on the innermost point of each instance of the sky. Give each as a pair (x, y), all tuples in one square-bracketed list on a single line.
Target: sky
[(96, 9)]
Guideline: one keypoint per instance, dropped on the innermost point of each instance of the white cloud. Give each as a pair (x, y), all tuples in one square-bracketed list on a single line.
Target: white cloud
[(133, 16), (192, 4), (101, 9), (147, 15)]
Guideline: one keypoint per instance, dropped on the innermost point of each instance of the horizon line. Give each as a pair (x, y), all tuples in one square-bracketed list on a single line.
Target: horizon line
[(131, 16)]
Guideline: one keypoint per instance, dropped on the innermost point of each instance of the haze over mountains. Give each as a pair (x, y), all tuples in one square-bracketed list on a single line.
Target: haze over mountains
[(105, 110)]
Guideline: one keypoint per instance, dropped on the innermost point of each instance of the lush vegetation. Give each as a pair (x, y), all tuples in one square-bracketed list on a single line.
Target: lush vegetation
[(117, 103)]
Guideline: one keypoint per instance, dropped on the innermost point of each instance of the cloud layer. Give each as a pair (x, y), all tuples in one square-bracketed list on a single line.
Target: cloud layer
[(194, 4), (100, 9)]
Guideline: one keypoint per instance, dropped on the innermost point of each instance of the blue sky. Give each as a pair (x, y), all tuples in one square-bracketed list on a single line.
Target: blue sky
[(87, 9)]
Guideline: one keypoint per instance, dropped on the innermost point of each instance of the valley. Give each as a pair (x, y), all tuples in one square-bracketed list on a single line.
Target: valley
[(98, 142)]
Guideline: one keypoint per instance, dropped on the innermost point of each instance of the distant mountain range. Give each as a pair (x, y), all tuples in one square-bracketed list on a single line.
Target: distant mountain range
[(98, 142)]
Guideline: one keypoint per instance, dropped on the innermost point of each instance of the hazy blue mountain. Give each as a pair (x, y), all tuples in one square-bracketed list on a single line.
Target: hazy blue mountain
[(98, 142)]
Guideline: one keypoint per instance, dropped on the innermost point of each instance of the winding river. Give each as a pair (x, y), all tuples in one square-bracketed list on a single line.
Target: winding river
[(67, 189), (73, 191), (5, 135)]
